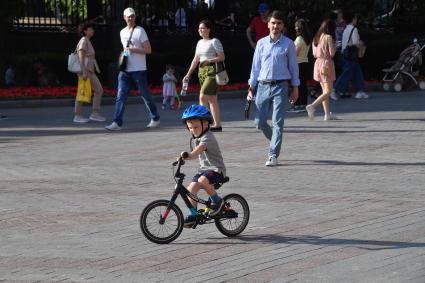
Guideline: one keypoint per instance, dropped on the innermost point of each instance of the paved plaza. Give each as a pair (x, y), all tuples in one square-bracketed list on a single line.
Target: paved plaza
[(346, 203)]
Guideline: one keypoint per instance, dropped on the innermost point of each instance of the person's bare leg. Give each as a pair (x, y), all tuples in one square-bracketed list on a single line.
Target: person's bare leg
[(205, 184), (324, 97), (215, 110), (203, 100), (194, 188)]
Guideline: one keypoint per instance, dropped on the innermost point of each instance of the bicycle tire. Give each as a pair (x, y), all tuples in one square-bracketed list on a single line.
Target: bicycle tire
[(151, 228), (236, 225)]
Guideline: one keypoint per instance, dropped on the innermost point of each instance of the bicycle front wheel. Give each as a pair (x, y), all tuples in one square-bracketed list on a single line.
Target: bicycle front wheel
[(234, 216), (160, 226)]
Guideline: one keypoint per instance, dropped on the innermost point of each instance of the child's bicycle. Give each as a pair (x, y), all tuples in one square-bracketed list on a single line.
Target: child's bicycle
[(162, 221)]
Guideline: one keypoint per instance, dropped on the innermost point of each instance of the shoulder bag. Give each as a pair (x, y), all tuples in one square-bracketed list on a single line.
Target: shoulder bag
[(351, 51), (122, 60), (221, 76), (74, 62)]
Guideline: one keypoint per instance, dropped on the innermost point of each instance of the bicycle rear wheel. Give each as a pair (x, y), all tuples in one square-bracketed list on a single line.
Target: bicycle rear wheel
[(234, 216), (155, 228)]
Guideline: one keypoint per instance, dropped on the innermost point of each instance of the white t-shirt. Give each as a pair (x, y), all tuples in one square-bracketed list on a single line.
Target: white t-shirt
[(136, 61), (355, 38), (302, 56), (208, 49)]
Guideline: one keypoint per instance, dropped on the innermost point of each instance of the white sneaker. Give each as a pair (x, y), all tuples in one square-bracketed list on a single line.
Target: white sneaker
[(361, 94), (113, 127), (330, 117), (272, 161), (310, 111), (334, 96), (80, 119), (153, 124), (97, 117)]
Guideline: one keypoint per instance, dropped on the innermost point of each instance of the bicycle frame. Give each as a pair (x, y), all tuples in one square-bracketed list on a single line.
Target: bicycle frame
[(181, 190)]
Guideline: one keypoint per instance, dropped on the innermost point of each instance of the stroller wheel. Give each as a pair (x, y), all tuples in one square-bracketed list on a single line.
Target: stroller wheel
[(397, 87), (386, 86), (421, 85)]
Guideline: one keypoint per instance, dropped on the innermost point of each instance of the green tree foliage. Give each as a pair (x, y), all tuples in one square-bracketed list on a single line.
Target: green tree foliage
[(73, 8)]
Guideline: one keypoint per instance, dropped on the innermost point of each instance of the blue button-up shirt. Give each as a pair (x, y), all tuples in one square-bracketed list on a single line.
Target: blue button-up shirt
[(274, 61)]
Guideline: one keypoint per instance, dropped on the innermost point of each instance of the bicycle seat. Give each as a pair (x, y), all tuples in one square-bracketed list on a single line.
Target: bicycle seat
[(221, 182)]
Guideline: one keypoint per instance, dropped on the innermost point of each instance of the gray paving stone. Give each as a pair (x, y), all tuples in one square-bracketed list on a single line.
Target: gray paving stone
[(345, 205)]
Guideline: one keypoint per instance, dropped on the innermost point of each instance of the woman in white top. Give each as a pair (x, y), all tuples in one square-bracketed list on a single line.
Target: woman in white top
[(209, 51), (302, 46)]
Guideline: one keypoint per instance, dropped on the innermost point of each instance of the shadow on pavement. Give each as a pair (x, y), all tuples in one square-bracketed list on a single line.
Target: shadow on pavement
[(353, 163), (317, 240)]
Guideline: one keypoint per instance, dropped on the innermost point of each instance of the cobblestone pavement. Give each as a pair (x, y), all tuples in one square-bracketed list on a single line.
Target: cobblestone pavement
[(346, 203)]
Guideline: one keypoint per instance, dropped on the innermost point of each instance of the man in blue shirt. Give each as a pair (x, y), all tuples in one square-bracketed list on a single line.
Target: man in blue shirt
[(273, 66)]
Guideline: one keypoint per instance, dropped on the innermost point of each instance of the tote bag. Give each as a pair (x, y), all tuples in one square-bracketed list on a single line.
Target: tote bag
[(74, 63), (221, 76), (84, 93)]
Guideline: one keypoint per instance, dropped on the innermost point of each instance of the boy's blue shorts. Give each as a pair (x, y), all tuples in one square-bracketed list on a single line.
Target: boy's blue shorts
[(212, 176)]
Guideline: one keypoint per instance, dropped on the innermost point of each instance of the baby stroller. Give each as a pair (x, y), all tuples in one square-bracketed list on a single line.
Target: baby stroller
[(406, 68)]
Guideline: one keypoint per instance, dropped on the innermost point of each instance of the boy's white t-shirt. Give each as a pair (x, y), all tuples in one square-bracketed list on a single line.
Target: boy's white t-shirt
[(136, 61)]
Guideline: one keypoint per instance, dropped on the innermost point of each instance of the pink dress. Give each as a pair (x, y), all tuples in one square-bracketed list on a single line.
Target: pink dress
[(324, 68)]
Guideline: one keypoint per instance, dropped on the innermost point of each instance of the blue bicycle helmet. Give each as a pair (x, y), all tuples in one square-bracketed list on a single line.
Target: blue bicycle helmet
[(196, 111)]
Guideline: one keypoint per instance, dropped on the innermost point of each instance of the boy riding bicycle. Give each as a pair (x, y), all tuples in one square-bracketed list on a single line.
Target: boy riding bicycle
[(212, 169)]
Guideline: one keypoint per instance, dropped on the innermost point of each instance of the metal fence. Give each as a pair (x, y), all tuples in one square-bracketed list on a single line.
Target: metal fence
[(65, 15)]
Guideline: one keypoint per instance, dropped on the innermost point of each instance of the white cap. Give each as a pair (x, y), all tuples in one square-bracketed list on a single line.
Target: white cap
[(129, 11)]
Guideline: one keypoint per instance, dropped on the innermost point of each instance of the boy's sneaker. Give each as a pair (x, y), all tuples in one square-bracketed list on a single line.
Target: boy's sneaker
[(80, 119), (153, 124), (113, 127), (272, 161), (97, 117), (216, 208), (189, 221), (310, 111)]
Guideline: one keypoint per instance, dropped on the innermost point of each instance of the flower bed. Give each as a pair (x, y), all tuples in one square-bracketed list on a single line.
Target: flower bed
[(70, 91)]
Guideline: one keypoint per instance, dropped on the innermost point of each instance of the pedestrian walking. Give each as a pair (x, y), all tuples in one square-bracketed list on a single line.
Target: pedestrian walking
[(89, 67), (351, 69), (302, 46), (136, 45), (209, 51), (340, 27), (169, 87), (273, 66), (324, 68), (258, 25)]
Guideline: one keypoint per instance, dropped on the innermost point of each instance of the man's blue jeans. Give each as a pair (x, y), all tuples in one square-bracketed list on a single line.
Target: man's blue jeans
[(350, 69), (125, 82), (276, 96)]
